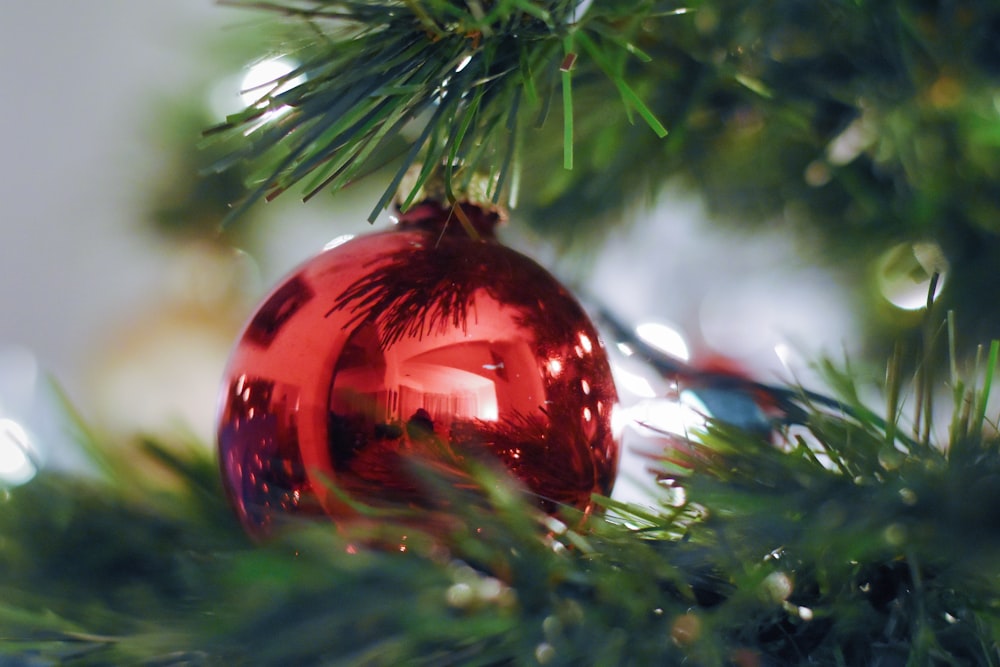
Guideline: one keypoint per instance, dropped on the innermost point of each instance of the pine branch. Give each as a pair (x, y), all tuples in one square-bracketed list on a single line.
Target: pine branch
[(424, 80), (826, 549), (870, 122)]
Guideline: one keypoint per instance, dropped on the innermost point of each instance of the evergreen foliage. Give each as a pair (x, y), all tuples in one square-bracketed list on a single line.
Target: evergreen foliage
[(445, 78), (857, 539), (847, 543), (868, 122)]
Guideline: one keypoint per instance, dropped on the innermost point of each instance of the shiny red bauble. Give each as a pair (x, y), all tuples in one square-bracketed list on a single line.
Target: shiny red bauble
[(418, 341)]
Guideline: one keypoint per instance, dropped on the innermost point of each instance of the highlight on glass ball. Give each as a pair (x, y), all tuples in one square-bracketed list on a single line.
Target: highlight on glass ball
[(420, 341)]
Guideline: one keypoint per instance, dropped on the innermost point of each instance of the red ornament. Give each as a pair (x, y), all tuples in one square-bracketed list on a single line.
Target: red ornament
[(416, 341)]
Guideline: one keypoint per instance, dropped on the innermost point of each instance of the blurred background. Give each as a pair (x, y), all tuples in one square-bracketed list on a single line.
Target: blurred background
[(114, 284)]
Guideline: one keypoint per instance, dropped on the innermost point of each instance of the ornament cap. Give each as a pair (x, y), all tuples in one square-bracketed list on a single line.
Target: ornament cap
[(433, 207), (462, 218)]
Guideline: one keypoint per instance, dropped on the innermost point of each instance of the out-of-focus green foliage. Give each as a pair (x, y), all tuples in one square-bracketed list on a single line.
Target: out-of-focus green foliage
[(841, 544), (856, 124)]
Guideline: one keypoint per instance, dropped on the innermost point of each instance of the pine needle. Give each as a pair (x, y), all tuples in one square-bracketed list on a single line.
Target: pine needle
[(566, 71)]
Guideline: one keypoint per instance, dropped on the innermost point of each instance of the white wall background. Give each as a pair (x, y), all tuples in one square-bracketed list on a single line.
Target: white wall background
[(78, 82)]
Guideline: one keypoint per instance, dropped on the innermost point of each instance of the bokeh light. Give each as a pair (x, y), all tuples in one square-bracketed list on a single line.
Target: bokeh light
[(904, 274), (17, 457), (664, 337), (266, 78)]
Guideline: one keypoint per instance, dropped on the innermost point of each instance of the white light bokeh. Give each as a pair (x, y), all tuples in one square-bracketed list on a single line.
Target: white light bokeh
[(265, 78), (633, 383), (850, 143), (904, 274), (16, 454), (664, 337), (233, 94)]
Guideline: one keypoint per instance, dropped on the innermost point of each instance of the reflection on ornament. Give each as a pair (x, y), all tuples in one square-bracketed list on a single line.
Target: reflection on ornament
[(905, 271), (338, 240), (414, 343)]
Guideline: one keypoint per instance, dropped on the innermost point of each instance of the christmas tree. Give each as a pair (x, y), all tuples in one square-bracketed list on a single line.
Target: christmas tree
[(847, 522)]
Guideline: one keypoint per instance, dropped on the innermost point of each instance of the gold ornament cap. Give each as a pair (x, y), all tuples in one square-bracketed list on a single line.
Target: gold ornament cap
[(431, 205)]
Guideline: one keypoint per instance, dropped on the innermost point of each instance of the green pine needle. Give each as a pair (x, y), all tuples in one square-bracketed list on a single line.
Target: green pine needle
[(629, 98), (567, 97), (988, 373)]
